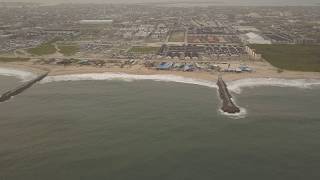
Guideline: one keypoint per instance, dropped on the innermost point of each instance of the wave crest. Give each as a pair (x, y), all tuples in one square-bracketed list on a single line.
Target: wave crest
[(236, 86), (128, 77), (233, 86)]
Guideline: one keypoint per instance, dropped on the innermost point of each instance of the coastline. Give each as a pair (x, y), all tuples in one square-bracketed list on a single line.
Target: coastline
[(235, 81), (262, 70)]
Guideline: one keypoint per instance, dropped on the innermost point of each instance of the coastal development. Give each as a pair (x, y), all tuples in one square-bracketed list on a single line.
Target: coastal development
[(194, 42), (160, 90), (88, 33)]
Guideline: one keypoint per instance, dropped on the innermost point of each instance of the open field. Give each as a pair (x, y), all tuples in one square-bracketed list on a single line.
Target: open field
[(291, 57), (43, 49), (143, 49), (68, 50), (177, 36), (13, 59)]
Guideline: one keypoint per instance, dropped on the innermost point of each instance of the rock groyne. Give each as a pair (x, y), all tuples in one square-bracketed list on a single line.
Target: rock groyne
[(7, 95), (227, 104)]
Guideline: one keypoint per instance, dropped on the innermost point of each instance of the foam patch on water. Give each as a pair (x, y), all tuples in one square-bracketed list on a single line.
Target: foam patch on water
[(128, 77), (236, 86), (21, 74), (242, 114)]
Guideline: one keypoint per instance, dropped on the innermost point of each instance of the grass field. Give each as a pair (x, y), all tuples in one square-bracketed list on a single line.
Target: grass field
[(177, 36), (43, 49), (12, 59), (143, 49), (291, 57), (68, 50)]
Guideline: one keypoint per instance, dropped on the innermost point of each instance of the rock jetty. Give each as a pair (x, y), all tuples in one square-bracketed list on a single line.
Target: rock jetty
[(227, 104), (7, 95)]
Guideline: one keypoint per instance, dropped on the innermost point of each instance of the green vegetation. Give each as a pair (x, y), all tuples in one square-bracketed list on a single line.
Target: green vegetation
[(177, 36), (291, 57), (43, 49), (20, 53), (49, 48), (143, 49), (13, 59), (68, 50)]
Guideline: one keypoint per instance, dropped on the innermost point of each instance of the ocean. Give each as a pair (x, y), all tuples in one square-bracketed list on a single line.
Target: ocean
[(125, 129), (205, 3)]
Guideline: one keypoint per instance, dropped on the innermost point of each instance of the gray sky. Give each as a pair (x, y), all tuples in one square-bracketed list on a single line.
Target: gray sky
[(217, 2)]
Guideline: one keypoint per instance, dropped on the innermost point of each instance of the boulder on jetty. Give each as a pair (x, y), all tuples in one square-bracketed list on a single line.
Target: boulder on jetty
[(227, 104)]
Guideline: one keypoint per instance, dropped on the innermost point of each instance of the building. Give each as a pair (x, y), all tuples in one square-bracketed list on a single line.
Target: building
[(253, 38)]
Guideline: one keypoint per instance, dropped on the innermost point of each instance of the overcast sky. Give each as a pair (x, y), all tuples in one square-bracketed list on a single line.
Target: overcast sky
[(217, 2)]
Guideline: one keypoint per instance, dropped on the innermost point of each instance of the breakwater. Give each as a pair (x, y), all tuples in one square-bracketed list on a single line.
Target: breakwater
[(7, 95), (227, 104)]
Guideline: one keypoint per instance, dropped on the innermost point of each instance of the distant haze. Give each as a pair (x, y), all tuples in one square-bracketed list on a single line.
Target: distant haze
[(212, 2)]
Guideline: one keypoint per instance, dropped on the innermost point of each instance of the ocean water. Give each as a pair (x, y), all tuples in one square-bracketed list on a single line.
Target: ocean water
[(200, 2), (127, 130), (7, 83)]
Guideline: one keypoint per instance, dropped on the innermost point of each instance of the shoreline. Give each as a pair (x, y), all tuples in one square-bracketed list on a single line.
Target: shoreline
[(262, 70), (235, 81)]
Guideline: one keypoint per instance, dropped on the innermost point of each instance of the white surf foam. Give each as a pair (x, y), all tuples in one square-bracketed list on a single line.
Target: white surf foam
[(21, 74), (128, 77), (236, 86), (242, 114)]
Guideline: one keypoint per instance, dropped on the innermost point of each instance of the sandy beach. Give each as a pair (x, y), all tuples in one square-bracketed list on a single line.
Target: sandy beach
[(262, 69), (263, 74)]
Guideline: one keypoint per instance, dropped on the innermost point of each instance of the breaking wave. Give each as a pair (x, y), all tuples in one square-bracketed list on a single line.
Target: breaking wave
[(128, 77), (21, 74), (236, 86), (233, 86)]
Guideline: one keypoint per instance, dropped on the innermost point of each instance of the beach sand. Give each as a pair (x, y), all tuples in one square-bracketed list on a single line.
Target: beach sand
[(262, 69)]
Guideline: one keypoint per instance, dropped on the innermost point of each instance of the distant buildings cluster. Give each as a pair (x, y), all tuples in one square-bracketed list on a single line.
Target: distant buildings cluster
[(110, 30)]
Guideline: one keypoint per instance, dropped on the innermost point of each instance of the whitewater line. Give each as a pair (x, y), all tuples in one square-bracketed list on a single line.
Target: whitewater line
[(234, 86), (128, 77), (20, 74), (238, 85)]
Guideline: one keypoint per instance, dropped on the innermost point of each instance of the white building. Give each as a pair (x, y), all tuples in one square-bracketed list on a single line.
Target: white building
[(253, 38)]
